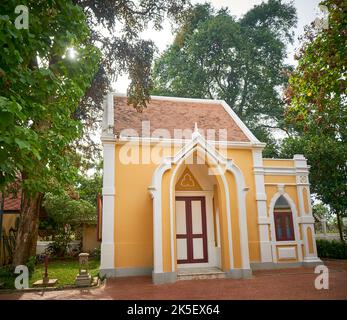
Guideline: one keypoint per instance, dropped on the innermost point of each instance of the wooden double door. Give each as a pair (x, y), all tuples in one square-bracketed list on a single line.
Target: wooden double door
[(191, 229)]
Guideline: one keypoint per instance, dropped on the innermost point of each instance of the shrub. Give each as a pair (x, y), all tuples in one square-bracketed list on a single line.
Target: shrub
[(332, 249)]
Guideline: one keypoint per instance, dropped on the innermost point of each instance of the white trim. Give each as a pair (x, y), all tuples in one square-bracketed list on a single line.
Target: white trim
[(306, 219), (202, 193), (180, 142), (284, 183), (278, 159), (279, 171), (274, 242), (287, 252), (181, 157), (199, 144), (155, 191), (211, 250), (309, 256), (263, 220), (108, 206)]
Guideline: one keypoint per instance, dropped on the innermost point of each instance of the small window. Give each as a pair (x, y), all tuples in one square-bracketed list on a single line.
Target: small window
[(284, 226), (283, 220)]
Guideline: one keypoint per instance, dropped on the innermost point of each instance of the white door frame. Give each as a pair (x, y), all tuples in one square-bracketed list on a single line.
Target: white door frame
[(211, 249)]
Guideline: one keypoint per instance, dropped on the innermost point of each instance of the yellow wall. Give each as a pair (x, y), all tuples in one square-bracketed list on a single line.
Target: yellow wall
[(310, 240), (244, 160), (166, 220), (134, 209), (278, 163), (225, 258), (133, 214), (279, 179)]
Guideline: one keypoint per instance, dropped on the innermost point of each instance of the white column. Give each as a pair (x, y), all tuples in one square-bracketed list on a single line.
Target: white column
[(263, 219), (157, 233), (108, 194), (305, 218), (155, 191), (108, 190)]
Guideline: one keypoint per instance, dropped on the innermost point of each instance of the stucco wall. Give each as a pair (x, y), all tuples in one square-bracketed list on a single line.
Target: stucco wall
[(134, 210)]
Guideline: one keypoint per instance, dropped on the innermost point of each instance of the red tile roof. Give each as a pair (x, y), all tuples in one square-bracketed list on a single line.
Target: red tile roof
[(170, 115)]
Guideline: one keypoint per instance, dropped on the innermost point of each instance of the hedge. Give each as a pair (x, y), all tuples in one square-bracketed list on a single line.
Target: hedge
[(332, 249)]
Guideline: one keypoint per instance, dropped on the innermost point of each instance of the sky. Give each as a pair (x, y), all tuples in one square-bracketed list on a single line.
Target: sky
[(307, 10)]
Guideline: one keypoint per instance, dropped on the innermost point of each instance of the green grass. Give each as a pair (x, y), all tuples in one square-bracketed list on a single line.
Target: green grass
[(63, 270)]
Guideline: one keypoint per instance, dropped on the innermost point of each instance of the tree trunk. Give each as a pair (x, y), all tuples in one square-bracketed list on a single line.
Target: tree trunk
[(28, 228), (339, 225)]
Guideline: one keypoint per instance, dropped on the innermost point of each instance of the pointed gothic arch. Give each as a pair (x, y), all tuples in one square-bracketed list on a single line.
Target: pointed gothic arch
[(218, 164), (294, 213)]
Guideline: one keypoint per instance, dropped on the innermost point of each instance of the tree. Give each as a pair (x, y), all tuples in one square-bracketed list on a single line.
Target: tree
[(40, 88), (316, 111), (89, 186), (48, 101), (241, 61), (116, 27), (320, 211), (65, 217)]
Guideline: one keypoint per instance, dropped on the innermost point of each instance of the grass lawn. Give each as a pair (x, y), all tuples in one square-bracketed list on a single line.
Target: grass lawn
[(63, 270)]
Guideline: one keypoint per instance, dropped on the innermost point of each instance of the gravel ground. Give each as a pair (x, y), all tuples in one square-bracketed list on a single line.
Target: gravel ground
[(288, 284)]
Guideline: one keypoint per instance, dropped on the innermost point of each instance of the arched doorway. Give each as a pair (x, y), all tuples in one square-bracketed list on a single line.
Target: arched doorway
[(197, 218), (231, 190)]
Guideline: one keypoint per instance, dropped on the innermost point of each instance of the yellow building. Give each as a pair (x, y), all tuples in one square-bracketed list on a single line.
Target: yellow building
[(186, 187)]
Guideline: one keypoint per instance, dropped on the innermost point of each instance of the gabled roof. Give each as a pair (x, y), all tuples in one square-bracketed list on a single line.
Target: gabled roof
[(179, 113)]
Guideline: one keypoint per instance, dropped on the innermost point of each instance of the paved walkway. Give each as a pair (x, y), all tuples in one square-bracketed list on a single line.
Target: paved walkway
[(293, 283)]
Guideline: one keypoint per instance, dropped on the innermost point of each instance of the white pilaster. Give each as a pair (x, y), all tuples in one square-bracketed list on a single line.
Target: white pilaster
[(305, 218), (108, 190), (263, 220)]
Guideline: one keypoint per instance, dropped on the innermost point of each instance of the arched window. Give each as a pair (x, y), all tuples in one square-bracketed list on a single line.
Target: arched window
[(283, 220)]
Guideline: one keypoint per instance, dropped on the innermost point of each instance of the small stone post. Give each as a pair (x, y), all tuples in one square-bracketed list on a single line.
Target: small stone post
[(83, 278)]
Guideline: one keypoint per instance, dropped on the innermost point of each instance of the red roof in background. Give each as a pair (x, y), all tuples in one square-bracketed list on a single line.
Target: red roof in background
[(13, 203)]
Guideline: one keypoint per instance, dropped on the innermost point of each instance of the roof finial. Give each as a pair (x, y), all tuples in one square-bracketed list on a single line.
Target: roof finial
[(196, 131), (196, 127)]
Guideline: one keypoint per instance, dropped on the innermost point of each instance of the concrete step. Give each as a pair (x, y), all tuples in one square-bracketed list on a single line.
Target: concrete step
[(200, 274)]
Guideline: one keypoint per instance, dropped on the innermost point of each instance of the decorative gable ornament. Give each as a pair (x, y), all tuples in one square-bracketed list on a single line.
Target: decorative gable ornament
[(187, 182)]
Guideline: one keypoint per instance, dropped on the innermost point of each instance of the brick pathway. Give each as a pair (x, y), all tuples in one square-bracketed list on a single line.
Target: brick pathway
[(293, 283)]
